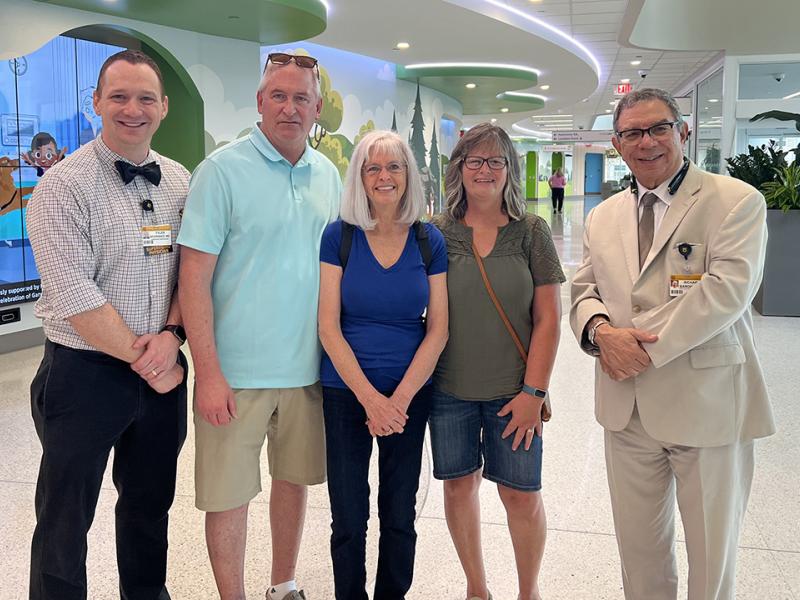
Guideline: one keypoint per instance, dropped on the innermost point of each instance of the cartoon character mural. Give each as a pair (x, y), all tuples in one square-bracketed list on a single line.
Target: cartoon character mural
[(11, 197), (44, 152)]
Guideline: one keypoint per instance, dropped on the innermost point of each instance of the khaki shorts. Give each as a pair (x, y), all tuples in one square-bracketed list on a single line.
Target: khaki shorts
[(228, 458)]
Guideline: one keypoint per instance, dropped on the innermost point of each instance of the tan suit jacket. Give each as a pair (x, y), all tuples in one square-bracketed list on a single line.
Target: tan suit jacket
[(705, 386)]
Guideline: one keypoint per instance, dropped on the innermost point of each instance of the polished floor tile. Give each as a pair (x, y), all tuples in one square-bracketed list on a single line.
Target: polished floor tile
[(581, 561)]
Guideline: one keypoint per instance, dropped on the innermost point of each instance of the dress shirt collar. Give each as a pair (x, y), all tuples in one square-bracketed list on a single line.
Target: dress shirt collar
[(661, 190), (108, 156)]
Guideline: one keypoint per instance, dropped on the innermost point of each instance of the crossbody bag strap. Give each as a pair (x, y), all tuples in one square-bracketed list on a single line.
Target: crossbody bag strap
[(498, 306)]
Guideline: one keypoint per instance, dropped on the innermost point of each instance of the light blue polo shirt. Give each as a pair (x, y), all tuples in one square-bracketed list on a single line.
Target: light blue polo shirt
[(263, 218)]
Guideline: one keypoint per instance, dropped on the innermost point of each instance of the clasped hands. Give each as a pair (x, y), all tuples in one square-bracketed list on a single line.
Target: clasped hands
[(158, 363), (621, 353), (385, 416)]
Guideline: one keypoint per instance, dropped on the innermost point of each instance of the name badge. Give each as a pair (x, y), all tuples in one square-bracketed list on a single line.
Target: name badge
[(156, 239), (680, 284)]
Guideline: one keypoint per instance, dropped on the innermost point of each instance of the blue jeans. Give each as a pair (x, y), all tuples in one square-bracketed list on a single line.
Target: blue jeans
[(349, 447)]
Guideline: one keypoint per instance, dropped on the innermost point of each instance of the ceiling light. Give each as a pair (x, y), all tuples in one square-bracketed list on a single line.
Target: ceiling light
[(626, 80), (544, 87), (403, 45), (613, 103), (705, 108), (470, 86), (713, 99), (797, 93), (636, 63), (507, 95), (558, 116), (536, 1), (494, 120), (447, 65), (504, 110), (608, 110)]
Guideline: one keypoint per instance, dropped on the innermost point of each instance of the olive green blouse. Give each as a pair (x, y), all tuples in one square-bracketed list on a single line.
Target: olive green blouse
[(480, 361)]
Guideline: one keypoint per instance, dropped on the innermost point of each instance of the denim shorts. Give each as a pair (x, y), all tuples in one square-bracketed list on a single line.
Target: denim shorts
[(465, 434)]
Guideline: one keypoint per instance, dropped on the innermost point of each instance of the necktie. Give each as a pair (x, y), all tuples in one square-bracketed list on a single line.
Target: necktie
[(646, 227), (151, 171)]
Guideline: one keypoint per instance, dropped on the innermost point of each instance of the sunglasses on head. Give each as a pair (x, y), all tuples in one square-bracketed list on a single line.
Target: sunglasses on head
[(281, 58)]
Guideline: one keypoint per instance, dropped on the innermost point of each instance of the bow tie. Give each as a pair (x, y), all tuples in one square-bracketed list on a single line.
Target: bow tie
[(150, 171)]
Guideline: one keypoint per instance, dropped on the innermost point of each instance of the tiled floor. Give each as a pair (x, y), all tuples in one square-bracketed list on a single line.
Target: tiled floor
[(581, 557)]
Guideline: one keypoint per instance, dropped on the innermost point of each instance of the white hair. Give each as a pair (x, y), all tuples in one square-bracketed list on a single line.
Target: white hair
[(355, 207)]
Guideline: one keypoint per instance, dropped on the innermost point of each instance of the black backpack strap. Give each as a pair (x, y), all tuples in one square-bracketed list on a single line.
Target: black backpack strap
[(424, 244), (345, 243)]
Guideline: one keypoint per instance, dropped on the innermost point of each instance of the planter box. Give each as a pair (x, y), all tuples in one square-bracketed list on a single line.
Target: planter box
[(779, 294)]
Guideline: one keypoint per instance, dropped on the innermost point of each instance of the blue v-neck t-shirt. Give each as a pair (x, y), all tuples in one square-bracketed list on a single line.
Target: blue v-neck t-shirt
[(381, 309)]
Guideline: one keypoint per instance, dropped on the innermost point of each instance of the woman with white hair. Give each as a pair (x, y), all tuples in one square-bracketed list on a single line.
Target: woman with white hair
[(383, 324)]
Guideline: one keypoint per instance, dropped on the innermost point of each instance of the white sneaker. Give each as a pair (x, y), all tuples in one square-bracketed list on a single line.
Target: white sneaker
[(293, 595)]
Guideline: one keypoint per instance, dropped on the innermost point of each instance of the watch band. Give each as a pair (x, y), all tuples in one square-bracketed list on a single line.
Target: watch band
[(593, 329), (176, 330), (534, 391)]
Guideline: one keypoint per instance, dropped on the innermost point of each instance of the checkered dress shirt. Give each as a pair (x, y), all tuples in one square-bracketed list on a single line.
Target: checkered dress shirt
[(85, 229)]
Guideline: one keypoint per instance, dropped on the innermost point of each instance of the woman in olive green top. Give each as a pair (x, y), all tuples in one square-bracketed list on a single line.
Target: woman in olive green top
[(486, 413)]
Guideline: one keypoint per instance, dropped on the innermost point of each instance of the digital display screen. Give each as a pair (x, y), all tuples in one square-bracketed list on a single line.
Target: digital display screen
[(46, 113)]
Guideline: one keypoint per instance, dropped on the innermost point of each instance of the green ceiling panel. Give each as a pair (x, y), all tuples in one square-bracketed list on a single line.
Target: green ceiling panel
[(264, 21), (491, 81)]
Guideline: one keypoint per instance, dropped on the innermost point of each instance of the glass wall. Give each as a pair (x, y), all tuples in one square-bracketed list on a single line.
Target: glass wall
[(708, 133)]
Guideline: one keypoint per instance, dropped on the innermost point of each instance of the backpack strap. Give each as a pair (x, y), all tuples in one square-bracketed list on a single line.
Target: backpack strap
[(345, 243), (424, 244)]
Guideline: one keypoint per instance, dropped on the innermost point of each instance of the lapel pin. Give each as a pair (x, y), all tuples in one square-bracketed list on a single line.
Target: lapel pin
[(685, 250)]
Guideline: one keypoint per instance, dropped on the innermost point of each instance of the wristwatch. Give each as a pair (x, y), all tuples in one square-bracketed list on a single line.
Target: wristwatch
[(534, 391), (593, 329), (176, 330)]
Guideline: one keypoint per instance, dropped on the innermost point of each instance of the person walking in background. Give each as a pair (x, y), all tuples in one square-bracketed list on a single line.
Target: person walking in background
[(492, 379), (381, 270), (557, 184)]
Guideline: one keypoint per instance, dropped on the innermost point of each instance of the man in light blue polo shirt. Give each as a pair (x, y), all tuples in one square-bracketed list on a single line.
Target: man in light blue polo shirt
[(249, 283)]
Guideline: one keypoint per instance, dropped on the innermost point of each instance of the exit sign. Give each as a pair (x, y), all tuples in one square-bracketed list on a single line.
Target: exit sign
[(622, 88)]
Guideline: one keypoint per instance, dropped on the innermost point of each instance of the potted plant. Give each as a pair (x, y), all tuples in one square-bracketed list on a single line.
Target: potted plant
[(767, 169)]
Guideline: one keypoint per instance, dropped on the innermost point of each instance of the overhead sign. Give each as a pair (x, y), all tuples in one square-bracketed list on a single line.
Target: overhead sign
[(556, 148), (622, 88), (583, 136)]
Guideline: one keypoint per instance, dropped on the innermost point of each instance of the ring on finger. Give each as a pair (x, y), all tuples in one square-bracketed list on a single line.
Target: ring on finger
[(154, 372)]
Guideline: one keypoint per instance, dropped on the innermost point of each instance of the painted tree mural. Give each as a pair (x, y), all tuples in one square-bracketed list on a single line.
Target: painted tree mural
[(436, 177), (394, 121), (417, 137), (330, 118)]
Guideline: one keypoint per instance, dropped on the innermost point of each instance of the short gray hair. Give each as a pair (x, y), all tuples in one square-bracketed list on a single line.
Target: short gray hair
[(485, 134), (355, 207), (645, 95), (272, 67)]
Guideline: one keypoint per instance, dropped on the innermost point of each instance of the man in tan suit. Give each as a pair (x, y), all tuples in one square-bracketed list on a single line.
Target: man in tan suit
[(662, 298)]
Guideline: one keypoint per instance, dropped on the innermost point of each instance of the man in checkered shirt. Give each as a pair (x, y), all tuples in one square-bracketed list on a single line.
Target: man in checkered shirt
[(103, 224)]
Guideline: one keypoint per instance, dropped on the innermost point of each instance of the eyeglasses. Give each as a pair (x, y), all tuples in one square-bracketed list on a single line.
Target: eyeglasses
[(281, 58), (393, 168), (659, 131), (496, 163)]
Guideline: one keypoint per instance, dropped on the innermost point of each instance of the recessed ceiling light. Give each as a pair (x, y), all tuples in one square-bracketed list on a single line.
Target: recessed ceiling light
[(544, 87), (504, 110), (613, 103), (403, 45), (536, 1), (713, 99), (626, 80), (470, 86), (494, 120), (636, 63), (608, 110), (705, 108)]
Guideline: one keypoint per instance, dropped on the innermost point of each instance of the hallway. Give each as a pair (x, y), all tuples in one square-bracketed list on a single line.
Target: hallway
[(581, 560)]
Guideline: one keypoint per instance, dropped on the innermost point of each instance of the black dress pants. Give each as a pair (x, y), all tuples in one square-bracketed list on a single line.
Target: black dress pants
[(558, 198), (84, 404)]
